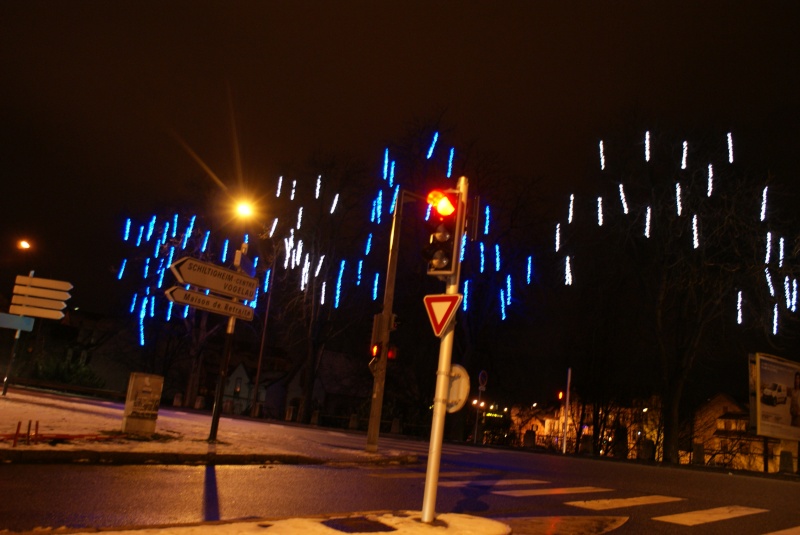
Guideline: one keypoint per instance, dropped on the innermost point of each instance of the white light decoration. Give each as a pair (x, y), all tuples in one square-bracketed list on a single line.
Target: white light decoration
[(695, 232), (623, 200), (647, 216), (775, 320), (305, 273), (602, 157), (764, 204), (780, 252), (335, 202), (274, 226), (678, 203), (647, 146), (299, 217), (294, 189), (567, 273), (322, 293), (319, 186), (787, 291), (599, 211), (794, 295), (280, 184), (730, 147), (769, 282), (769, 248), (319, 265), (710, 180), (571, 207), (558, 236), (739, 308), (685, 154)]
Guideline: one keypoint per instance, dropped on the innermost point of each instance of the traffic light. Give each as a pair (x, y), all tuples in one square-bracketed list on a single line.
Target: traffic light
[(376, 350), (446, 224), (391, 353), (560, 395)]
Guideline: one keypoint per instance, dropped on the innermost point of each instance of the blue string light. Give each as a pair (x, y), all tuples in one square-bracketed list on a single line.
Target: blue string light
[(530, 269), (375, 287), (391, 174), (339, 285), (394, 199), (122, 269), (189, 231), (433, 144), (450, 163), (174, 225), (465, 300), (146, 267), (483, 257), (140, 236), (463, 251), (369, 244), (266, 280), (126, 234), (151, 228), (225, 251), (497, 257), (486, 221), (386, 163), (133, 302), (169, 310), (508, 290), (502, 305)]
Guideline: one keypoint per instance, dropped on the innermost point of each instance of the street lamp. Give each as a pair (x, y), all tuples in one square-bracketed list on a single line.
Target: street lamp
[(245, 210)]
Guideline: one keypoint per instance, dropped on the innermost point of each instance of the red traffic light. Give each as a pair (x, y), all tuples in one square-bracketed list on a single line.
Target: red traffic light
[(441, 203)]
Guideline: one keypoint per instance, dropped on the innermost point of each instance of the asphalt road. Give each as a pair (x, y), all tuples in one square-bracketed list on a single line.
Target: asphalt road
[(498, 483)]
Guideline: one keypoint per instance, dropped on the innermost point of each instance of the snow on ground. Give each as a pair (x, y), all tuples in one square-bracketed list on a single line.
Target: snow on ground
[(177, 431)]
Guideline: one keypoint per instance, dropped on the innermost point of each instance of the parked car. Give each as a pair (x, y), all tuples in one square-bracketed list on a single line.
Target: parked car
[(774, 394)]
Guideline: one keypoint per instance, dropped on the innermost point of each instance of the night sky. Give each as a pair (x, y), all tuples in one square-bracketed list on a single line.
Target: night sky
[(95, 94)]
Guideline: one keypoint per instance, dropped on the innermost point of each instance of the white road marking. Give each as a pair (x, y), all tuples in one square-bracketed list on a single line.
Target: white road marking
[(602, 505), (412, 475), (549, 492), (491, 482), (709, 515)]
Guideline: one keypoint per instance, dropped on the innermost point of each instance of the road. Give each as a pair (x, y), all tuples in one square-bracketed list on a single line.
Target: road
[(487, 482)]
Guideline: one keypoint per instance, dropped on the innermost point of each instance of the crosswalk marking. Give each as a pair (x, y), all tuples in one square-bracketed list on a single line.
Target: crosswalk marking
[(602, 505), (548, 492), (492, 483), (791, 531), (412, 475), (709, 515)]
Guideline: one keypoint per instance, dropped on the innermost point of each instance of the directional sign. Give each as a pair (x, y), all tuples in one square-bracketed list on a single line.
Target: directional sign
[(35, 312), (211, 303), (219, 280), (41, 292), (441, 310), (37, 302), (43, 283), (18, 323)]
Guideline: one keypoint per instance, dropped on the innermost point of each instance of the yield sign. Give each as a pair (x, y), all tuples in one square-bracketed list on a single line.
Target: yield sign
[(441, 310)]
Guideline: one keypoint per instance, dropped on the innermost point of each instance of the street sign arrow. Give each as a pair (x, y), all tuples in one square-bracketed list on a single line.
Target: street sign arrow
[(43, 283), (37, 302), (220, 280), (45, 293), (35, 312), (441, 310), (211, 303)]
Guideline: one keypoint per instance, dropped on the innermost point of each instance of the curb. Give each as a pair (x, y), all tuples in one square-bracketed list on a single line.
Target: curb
[(129, 458)]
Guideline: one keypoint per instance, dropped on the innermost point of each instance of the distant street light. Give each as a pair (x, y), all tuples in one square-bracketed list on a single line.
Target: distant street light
[(23, 244)]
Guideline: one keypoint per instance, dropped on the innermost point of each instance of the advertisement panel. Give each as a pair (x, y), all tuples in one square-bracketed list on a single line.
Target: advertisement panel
[(777, 397)]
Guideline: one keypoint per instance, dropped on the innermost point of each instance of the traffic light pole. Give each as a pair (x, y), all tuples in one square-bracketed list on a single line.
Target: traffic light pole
[(383, 319), (441, 395)]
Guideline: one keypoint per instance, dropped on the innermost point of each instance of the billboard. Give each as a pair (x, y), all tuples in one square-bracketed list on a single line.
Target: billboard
[(775, 391)]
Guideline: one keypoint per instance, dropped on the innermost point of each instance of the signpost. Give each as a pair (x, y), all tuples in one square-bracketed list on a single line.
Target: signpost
[(210, 303), (234, 284), (219, 280), (33, 298)]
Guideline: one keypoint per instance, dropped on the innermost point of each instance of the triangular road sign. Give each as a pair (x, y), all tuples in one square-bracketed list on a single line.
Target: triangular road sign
[(441, 310)]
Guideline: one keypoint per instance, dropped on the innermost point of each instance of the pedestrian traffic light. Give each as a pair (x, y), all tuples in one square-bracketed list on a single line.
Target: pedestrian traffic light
[(560, 395), (446, 222), (376, 350)]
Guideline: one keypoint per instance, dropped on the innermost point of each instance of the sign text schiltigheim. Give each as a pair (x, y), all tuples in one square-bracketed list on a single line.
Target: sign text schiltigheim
[(220, 280)]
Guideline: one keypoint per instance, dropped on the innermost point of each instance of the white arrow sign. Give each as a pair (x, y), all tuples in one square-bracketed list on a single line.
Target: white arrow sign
[(441, 310), (36, 302), (189, 270), (35, 312), (211, 303), (45, 293), (43, 283)]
